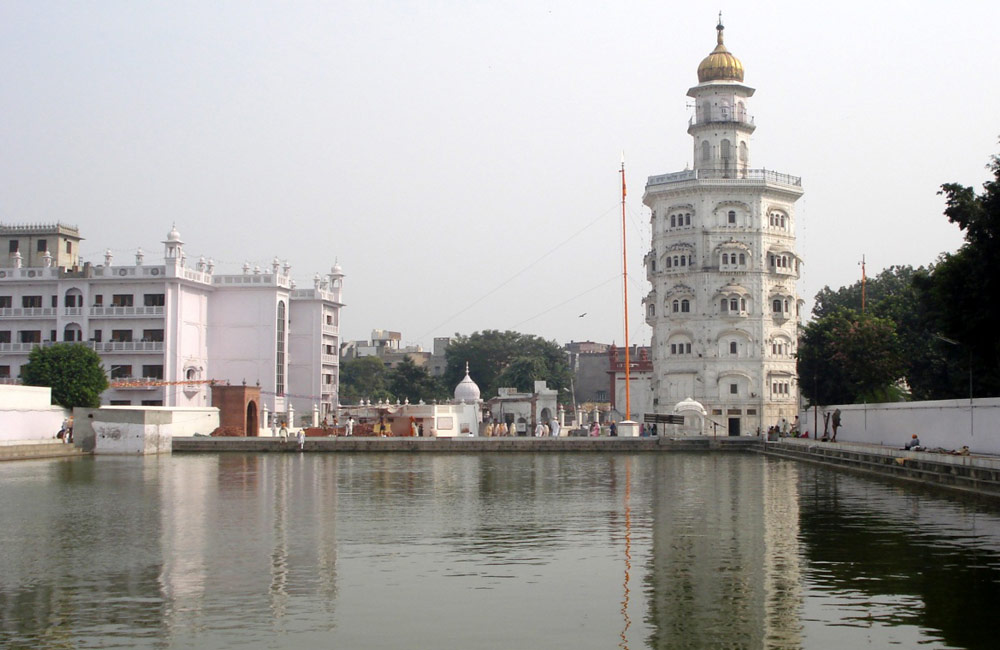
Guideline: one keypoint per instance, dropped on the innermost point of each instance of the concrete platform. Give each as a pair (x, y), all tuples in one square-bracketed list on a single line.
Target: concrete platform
[(23, 450), (976, 474), (562, 444)]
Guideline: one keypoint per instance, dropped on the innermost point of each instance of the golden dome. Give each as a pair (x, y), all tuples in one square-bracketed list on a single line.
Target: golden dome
[(720, 65)]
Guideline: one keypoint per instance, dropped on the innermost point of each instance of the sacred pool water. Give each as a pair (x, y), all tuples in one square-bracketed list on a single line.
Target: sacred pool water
[(517, 550)]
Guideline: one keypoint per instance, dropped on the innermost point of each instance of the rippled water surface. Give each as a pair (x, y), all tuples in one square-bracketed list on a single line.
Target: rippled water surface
[(486, 551)]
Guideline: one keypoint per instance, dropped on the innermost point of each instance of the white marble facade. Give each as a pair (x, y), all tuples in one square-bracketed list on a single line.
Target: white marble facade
[(722, 266), (166, 328)]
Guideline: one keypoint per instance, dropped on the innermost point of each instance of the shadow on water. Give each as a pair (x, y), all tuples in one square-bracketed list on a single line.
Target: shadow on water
[(884, 540)]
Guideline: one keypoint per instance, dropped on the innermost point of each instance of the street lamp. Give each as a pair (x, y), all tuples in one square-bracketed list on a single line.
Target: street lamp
[(952, 342)]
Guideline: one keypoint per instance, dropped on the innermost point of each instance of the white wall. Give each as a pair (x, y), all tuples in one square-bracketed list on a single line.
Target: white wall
[(140, 430), (26, 413), (950, 424)]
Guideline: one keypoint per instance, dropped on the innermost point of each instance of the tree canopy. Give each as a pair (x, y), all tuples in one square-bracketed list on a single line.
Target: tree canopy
[(368, 378), (944, 315), (846, 357), (507, 359), (73, 371), (962, 292), (408, 381), (363, 378)]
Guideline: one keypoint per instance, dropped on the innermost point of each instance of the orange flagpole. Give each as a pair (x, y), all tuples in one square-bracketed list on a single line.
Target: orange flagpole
[(864, 280), (628, 364)]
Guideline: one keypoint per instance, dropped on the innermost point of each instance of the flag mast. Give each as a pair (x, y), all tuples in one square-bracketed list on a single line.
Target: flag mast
[(628, 364)]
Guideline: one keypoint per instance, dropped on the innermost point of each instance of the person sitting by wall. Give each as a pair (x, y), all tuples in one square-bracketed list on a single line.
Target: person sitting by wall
[(913, 443)]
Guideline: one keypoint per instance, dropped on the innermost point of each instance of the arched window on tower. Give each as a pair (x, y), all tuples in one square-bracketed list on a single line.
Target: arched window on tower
[(725, 150), (685, 306), (732, 217), (706, 151)]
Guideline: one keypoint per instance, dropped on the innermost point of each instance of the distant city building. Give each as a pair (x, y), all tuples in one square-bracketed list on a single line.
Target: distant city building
[(165, 330), (722, 266), (385, 345), (589, 366), (640, 378)]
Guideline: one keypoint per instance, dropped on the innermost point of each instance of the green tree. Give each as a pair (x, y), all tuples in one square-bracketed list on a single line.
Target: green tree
[(491, 352), (845, 357), (962, 291), (522, 373), (408, 381), (363, 378), (72, 370), (893, 295)]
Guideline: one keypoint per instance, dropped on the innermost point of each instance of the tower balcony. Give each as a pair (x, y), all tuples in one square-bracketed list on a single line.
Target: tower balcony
[(731, 176), (723, 118)]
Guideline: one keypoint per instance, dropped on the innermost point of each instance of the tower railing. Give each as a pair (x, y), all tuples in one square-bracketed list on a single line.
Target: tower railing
[(765, 175)]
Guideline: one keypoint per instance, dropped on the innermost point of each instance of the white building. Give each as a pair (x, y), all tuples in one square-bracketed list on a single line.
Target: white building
[(166, 330), (723, 304)]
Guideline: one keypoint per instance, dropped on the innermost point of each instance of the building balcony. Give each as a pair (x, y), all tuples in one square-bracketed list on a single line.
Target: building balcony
[(28, 312), (23, 348), (125, 312), (331, 330), (732, 176), (135, 383), (126, 346), (719, 116), (329, 359)]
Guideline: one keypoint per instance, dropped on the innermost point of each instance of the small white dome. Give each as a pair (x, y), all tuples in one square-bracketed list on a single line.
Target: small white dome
[(690, 405), (467, 390), (174, 236)]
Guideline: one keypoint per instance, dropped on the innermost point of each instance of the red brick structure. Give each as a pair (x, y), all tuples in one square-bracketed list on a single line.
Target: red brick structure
[(640, 361), (239, 409)]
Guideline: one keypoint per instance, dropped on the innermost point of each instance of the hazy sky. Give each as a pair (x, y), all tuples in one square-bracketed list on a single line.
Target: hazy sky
[(460, 159)]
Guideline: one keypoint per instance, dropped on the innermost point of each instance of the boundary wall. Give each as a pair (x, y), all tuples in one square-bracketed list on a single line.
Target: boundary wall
[(950, 424)]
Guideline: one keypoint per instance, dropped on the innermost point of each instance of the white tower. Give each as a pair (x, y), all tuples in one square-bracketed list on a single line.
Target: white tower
[(722, 267)]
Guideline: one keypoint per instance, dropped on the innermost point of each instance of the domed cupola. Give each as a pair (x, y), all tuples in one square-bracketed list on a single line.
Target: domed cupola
[(172, 245), (720, 65), (467, 390)]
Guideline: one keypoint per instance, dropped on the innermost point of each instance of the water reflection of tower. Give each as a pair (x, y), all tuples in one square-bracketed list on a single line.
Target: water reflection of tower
[(724, 568)]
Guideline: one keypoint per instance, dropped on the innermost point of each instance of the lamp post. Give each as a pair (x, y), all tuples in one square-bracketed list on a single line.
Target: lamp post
[(952, 342)]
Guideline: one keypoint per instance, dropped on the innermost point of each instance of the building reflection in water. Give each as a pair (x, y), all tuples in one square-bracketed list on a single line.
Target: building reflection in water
[(724, 567), (251, 499)]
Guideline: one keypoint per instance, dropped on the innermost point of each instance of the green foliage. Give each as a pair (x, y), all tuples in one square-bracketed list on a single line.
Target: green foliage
[(845, 357), (363, 378), (502, 359), (893, 294), (408, 381), (73, 372), (962, 293), (368, 378)]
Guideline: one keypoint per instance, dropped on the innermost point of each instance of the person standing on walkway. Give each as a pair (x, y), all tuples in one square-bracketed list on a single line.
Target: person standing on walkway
[(539, 430), (301, 437), (283, 431), (555, 428), (350, 426), (836, 424)]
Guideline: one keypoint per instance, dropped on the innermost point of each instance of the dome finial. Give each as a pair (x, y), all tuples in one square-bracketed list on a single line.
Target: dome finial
[(720, 65)]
